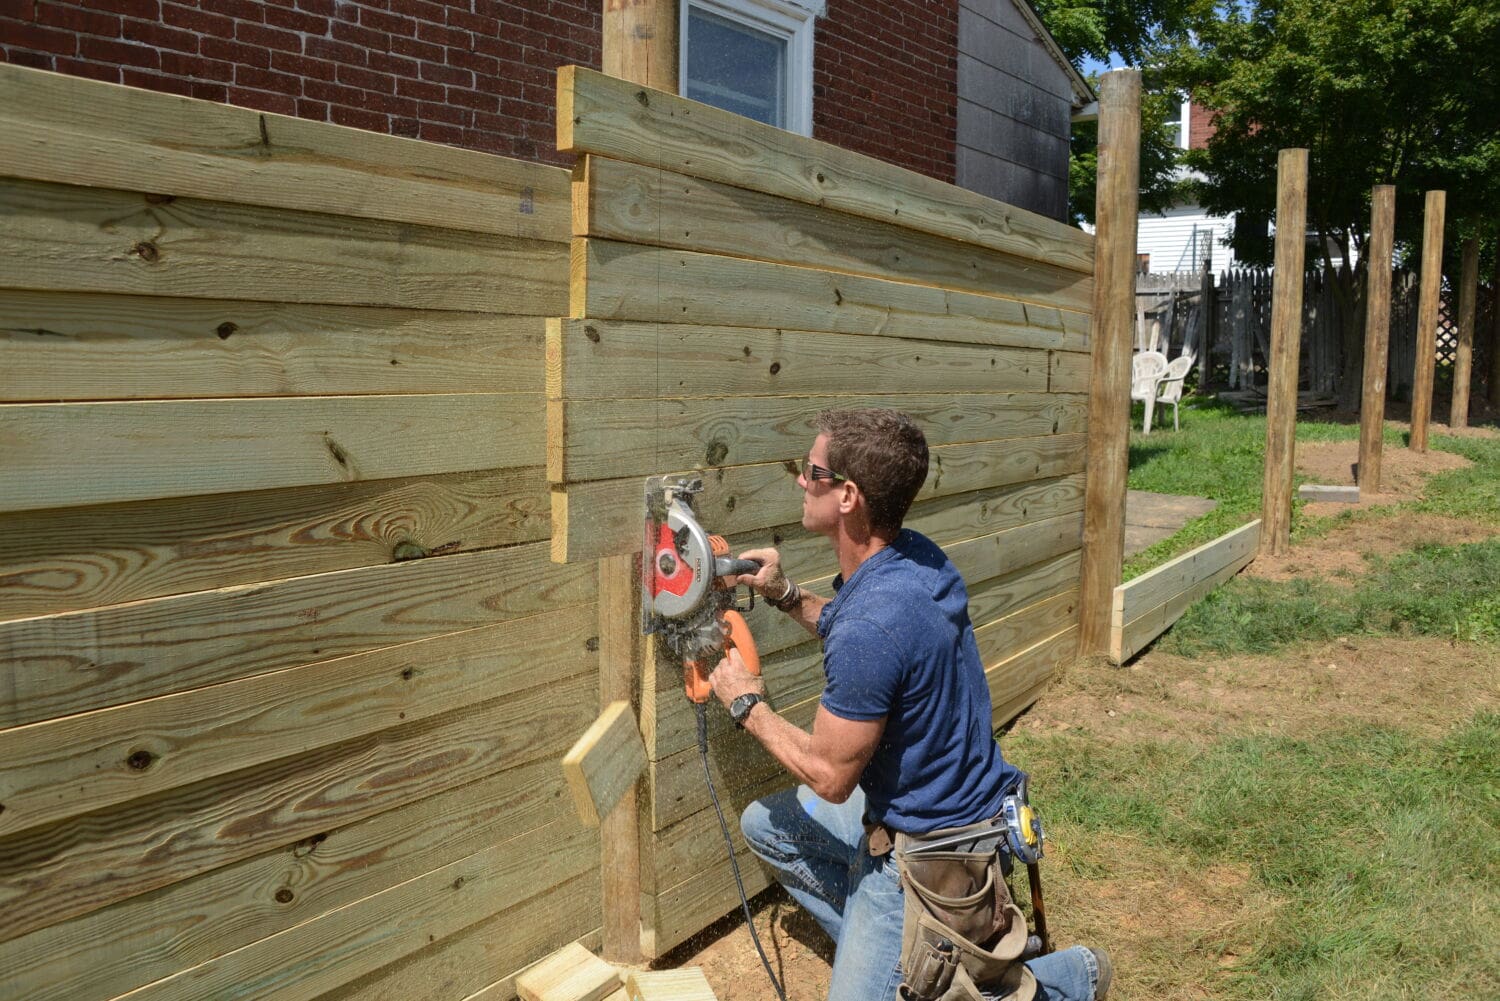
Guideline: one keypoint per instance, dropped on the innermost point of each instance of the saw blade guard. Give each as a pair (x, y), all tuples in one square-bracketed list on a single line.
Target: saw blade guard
[(681, 563)]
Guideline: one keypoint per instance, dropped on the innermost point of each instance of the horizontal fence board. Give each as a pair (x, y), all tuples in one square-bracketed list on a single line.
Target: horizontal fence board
[(640, 204), (604, 517), (1135, 597), (65, 870), (627, 281), (74, 454), (1069, 325), (63, 560), (154, 935), (61, 238), (598, 114), (1224, 557), (991, 599), (79, 346), (57, 665), (1068, 372), (81, 763), (599, 439), (1012, 549), (75, 131), (616, 359), (334, 948), (1077, 330), (1019, 679), (481, 962)]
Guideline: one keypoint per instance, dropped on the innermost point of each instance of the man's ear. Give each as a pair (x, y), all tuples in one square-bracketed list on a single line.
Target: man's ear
[(849, 497)]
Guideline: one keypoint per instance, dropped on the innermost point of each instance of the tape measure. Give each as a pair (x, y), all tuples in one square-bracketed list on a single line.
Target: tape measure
[(1023, 829)]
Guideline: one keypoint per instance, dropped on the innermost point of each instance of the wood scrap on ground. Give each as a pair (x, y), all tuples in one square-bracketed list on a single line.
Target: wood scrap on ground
[(604, 763), (572, 973)]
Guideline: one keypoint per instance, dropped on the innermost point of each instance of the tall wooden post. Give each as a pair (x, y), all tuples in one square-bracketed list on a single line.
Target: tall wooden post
[(1495, 333), (1109, 377), (1427, 317), (640, 42), (639, 45), (1463, 362), (1286, 341), (1377, 335)]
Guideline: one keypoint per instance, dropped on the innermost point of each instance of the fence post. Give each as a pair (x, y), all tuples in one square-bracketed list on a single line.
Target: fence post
[(1427, 317), (1109, 374), (1377, 336), (640, 45), (1495, 334), (1463, 360), (1286, 338), (1208, 303)]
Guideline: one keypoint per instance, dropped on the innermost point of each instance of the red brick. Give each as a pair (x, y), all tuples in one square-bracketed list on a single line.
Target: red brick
[(437, 133), (408, 127), (356, 34), (35, 60), (473, 99), (423, 10), (358, 118), (94, 71), (193, 19), (315, 110), (235, 52), (106, 51), (269, 38), (334, 51), (464, 59), (315, 69), (87, 22), (400, 66), (441, 35), (391, 24), (296, 20), (446, 114), (148, 10), (36, 37), (156, 81), (209, 91), (418, 50), (448, 75), (364, 79), (476, 23), (260, 100), (421, 90), (254, 78), (324, 8), (390, 104), (186, 65), (242, 10), (160, 36), (332, 93)]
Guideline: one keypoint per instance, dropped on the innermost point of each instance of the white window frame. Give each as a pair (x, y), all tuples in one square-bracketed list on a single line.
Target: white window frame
[(791, 20)]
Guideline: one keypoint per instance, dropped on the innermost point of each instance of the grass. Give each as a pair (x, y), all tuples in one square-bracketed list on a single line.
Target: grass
[(1375, 848)]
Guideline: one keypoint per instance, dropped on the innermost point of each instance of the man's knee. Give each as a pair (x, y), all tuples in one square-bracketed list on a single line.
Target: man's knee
[(759, 821)]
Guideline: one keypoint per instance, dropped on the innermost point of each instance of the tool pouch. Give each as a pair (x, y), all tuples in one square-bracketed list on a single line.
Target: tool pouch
[(961, 929)]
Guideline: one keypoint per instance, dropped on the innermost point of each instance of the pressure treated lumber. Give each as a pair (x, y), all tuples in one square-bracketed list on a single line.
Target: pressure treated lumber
[(147, 449), (64, 560), (1427, 317), (602, 766), (604, 516), (1109, 385), (193, 920), (1068, 372), (1286, 338), (622, 652), (572, 973), (76, 131), (1377, 337), (71, 346), (615, 359), (321, 954), (1146, 607), (626, 281), (57, 665), (600, 439), (639, 42), (617, 200), (88, 761), (597, 114), (1463, 359), (72, 239), (54, 873), (685, 984)]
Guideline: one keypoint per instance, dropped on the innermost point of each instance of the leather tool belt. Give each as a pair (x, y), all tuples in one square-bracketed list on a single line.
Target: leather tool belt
[(961, 930)]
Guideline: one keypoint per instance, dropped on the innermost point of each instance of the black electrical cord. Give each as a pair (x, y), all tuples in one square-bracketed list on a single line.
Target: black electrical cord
[(701, 709)]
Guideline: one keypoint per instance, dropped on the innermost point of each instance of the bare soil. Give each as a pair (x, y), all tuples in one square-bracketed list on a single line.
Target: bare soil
[(1150, 909)]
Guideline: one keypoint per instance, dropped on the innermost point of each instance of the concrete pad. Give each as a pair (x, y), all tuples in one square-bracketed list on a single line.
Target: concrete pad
[(1323, 492), (1151, 517)]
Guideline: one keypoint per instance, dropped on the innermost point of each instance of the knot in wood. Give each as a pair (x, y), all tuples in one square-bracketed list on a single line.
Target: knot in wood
[(141, 760), (285, 896)]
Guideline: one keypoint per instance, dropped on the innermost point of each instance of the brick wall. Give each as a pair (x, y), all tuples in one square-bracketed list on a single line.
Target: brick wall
[(444, 72), (474, 73), (1200, 126), (885, 81)]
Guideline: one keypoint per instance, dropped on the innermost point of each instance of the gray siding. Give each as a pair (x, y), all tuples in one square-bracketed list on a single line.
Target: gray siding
[(1014, 110)]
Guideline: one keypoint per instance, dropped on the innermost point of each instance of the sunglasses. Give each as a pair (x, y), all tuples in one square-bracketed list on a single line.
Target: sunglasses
[(812, 472)]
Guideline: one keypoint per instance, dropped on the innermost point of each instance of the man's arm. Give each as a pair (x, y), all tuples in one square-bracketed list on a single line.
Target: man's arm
[(772, 584), (829, 760)]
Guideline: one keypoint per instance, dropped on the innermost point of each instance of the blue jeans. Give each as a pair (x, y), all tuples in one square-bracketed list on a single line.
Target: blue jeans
[(817, 850)]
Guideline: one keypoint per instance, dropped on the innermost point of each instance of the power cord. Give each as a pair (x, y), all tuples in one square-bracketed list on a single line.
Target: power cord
[(701, 709)]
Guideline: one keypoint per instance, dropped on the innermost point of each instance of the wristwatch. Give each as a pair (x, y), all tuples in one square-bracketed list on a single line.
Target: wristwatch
[(739, 709)]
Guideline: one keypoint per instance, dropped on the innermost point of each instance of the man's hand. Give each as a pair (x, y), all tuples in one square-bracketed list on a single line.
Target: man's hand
[(731, 680), (769, 582)]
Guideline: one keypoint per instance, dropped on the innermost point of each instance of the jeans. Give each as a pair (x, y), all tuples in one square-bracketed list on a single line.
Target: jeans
[(817, 850)]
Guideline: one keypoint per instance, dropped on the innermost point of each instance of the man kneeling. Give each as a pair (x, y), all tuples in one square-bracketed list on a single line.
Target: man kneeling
[(901, 746)]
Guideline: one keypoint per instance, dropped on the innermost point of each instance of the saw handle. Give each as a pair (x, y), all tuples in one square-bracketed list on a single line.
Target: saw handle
[(736, 637)]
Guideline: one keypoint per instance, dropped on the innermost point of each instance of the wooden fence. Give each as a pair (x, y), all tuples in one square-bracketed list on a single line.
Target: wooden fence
[(730, 280), (286, 665), (303, 499)]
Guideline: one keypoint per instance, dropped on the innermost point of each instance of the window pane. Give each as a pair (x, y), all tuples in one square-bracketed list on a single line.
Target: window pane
[(736, 68)]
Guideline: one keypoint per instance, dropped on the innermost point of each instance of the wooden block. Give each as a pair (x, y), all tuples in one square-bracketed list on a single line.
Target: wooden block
[(686, 984), (572, 973), (1327, 492), (605, 762)]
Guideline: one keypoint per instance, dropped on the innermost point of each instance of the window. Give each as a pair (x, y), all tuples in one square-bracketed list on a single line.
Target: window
[(752, 57)]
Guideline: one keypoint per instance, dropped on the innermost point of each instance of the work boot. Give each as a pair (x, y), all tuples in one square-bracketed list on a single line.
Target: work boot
[(1106, 974)]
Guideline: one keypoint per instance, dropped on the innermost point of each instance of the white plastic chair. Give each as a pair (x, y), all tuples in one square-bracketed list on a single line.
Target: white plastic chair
[(1146, 371), (1169, 389)]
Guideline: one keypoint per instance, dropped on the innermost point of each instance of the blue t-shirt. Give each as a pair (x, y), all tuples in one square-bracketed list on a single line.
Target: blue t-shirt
[(897, 642)]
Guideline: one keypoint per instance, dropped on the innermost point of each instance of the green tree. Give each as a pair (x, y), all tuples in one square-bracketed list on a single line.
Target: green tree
[(1403, 92)]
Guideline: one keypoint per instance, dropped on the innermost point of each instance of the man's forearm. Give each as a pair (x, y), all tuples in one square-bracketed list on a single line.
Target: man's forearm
[(807, 610), (792, 746)]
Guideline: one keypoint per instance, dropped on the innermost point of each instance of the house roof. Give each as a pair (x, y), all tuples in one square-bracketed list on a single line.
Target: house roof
[(1083, 94)]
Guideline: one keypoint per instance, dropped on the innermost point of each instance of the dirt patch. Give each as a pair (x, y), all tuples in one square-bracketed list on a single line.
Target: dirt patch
[(1402, 472), (1341, 554)]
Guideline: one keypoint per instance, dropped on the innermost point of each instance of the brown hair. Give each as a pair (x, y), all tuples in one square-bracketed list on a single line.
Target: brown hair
[(884, 453)]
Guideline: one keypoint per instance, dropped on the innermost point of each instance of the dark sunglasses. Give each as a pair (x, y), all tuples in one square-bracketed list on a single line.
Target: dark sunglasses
[(812, 472)]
